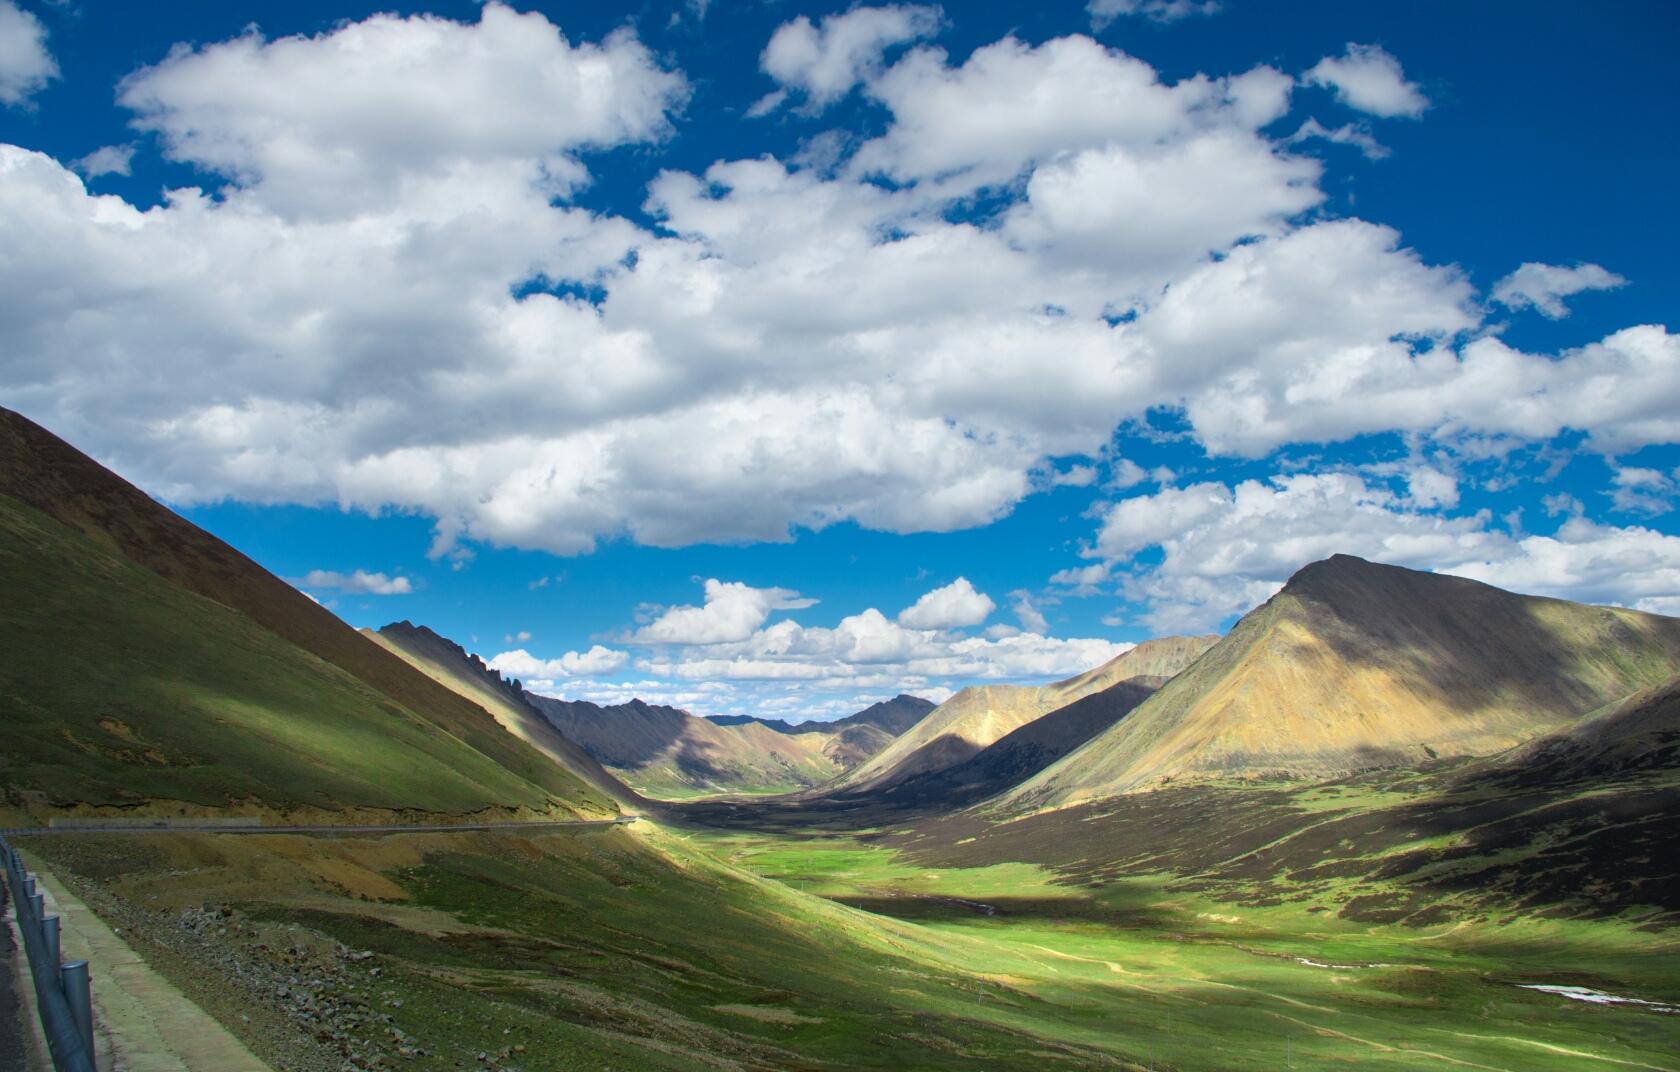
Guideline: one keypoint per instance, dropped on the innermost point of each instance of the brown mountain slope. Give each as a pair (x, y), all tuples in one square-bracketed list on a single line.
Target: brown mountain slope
[(979, 715), (1355, 665), (42, 471), (448, 663), (1639, 734), (667, 752), (892, 716), (1019, 755)]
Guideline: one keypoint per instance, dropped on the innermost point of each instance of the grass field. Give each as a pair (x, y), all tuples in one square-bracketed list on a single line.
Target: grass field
[(1192, 982), (662, 948)]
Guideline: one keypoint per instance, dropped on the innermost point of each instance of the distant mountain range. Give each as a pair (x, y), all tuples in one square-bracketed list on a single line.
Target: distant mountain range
[(980, 715), (665, 751), (894, 716), (636, 747)]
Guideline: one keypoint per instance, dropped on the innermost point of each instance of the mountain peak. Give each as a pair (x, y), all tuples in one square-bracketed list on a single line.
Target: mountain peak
[(1358, 664)]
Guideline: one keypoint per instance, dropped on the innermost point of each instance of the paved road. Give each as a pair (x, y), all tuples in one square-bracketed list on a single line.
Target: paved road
[(166, 827)]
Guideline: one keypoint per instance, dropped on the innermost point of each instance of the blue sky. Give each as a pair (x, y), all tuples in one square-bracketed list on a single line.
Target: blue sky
[(606, 339)]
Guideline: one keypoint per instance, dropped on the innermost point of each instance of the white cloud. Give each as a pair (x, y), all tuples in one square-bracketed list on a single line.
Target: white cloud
[(333, 324), (1103, 12), (1544, 286), (1031, 618), (1367, 78), (1353, 134), (826, 60), (517, 638), (1640, 490), (352, 118), (1081, 580), (25, 64), (732, 611), (357, 581), (1430, 487), (107, 160), (592, 663), (954, 606), (1010, 105), (1074, 476), (1126, 473), (869, 650), (1589, 562), (1225, 549)]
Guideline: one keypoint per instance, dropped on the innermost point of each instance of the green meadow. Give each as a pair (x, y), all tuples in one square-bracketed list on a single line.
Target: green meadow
[(656, 947)]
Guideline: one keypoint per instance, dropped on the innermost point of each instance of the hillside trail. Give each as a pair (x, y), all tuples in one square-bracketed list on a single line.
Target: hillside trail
[(142, 1023)]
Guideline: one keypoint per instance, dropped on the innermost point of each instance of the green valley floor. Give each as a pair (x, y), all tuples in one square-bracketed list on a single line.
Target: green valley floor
[(846, 945)]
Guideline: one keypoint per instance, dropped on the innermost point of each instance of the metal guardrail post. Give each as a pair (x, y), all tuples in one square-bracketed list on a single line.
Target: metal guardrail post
[(50, 936), (62, 994), (78, 994)]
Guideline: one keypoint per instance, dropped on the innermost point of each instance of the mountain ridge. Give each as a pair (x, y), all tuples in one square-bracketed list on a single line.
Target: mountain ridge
[(49, 475), (1354, 665), (979, 715)]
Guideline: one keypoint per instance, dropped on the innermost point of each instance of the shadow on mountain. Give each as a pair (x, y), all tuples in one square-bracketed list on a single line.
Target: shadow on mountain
[(1469, 645)]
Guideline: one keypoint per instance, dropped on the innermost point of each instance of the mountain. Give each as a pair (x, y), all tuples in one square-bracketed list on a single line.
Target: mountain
[(893, 716), (148, 664), (668, 752), (1638, 735), (979, 715), (451, 665), (1022, 753), (1355, 665)]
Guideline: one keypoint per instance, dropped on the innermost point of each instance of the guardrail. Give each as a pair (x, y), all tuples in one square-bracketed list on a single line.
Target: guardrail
[(61, 990)]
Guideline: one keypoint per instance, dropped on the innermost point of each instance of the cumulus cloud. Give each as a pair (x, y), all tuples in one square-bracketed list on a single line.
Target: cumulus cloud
[(1640, 490), (732, 611), (825, 60), (1081, 580), (870, 650), (1103, 12), (1583, 560), (1369, 79), (1544, 286), (1010, 105), (359, 582), (1430, 487), (106, 160), (953, 606), (369, 279), (522, 664), (341, 121), (1224, 549), (26, 66)]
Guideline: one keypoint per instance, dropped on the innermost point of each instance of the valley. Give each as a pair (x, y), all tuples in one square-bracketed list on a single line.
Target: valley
[(1444, 835)]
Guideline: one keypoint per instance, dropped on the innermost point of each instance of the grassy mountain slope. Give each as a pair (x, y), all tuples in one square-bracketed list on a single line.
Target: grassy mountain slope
[(448, 663), (1583, 823), (1355, 665), (981, 714), (667, 752), (42, 471), (1022, 753), (122, 689), (1639, 734)]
